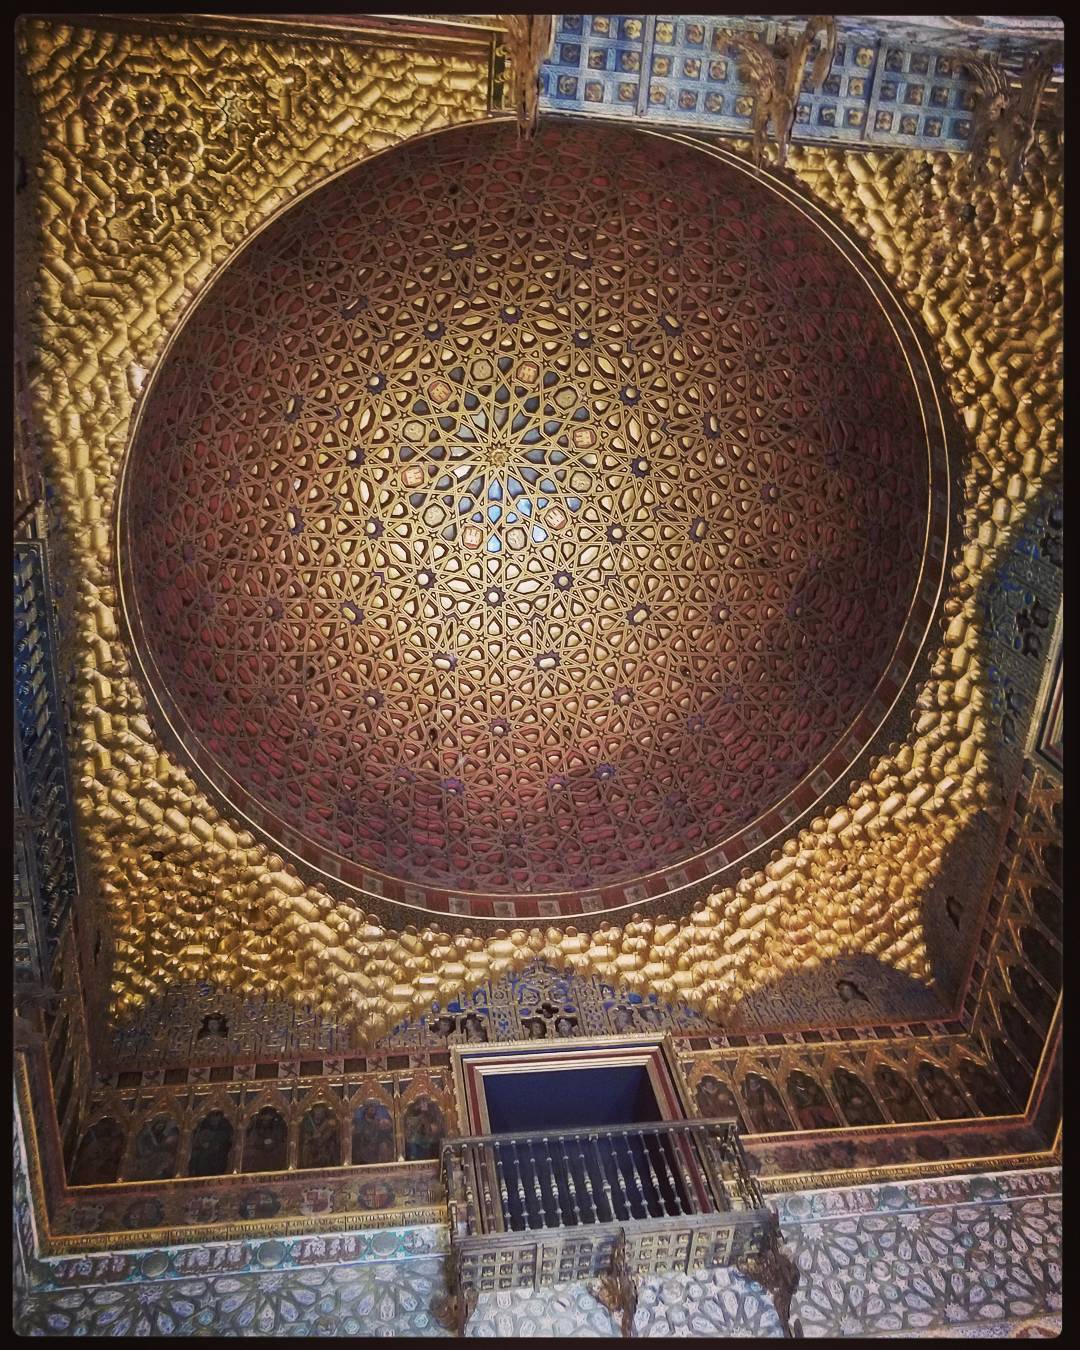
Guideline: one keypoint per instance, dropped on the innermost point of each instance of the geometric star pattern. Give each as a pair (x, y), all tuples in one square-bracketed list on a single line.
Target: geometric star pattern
[(521, 519)]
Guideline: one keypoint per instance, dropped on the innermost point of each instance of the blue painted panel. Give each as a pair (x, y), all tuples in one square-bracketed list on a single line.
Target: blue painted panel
[(564, 1098), (885, 87)]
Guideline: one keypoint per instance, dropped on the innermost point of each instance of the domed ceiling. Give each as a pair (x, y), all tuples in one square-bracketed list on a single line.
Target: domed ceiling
[(542, 523)]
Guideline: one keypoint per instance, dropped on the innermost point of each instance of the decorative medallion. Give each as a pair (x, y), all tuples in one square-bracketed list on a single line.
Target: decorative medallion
[(554, 521)]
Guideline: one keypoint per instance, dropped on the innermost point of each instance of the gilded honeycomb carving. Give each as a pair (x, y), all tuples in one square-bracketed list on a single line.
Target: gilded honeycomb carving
[(190, 895)]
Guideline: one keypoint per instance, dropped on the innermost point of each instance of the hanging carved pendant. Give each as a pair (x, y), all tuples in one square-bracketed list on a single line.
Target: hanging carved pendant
[(529, 39), (775, 1271), (777, 76), (1003, 115), (617, 1289)]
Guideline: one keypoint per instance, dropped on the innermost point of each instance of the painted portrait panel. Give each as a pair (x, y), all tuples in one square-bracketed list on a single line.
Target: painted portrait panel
[(266, 1142), (941, 1092), (425, 1126), (156, 1146), (716, 1101), (211, 1145), (373, 1134), (809, 1102), (1013, 1072), (855, 1100), (214, 1027), (764, 1104), (991, 1096), (900, 1098), (97, 1162), (320, 1138)]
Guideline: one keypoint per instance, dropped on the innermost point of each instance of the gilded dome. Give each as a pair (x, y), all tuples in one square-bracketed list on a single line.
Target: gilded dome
[(530, 524)]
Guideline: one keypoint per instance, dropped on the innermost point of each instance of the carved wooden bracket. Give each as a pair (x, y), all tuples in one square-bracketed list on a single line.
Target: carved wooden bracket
[(529, 39), (775, 1271), (1004, 115), (777, 75), (617, 1289)]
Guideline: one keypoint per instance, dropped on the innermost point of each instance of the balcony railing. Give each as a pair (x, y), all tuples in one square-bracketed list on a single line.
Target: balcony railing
[(500, 1183), (611, 1204)]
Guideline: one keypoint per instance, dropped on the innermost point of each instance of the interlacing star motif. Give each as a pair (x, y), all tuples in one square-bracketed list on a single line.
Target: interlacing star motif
[(510, 519)]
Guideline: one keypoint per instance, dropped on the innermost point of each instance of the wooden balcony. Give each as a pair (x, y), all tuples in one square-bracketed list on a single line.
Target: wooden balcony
[(610, 1205)]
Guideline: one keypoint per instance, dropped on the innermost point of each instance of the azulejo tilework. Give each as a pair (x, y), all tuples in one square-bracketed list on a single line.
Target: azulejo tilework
[(962, 1256), (484, 538)]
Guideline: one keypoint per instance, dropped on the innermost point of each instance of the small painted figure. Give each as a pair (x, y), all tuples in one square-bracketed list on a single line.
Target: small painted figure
[(1012, 1071), (812, 1109), (855, 1101), (989, 1093), (320, 1138), (424, 1129), (1034, 997), (266, 1145), (764, 1105), (941, 1092), (900, 1098), (156, 1146), (213, 1024), (211, 1146), (97, 1162), (716, 1101), (1021, 1035), (372, 1134), (1042, 954)]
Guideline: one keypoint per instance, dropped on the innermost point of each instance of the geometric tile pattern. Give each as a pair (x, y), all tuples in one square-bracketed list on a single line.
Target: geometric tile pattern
[(897, 1264), (497, 554), (922, 99), (962, 1256)]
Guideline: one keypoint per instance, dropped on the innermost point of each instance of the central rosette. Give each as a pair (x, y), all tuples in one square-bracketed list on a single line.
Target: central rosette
[(500, 449)]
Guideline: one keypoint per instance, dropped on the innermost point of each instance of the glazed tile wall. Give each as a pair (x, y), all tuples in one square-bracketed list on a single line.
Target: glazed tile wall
[(961, 1256)]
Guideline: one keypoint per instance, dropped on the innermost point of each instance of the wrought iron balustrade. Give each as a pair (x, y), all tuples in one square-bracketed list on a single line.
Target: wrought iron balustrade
[(607, 1203)]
